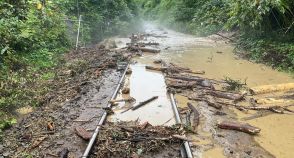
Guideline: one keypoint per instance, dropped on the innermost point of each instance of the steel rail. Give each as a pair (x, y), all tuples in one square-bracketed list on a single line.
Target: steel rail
[(178, 120), (104, 116)]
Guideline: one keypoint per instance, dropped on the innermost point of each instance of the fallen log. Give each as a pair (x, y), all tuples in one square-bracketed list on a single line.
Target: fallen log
[(140, 104), (162, 69), (276, 109), (144, 49), (144, 103), (239, 127), (192, 78), (181, 84), (230, 96), (272, 101), (196, 115), (184, 69), (186, 78), (272, 88), (142, 44), (172, 70)]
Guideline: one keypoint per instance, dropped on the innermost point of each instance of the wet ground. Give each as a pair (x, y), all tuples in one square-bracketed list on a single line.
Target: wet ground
[(81, 94), (83, 86), (217, 59)]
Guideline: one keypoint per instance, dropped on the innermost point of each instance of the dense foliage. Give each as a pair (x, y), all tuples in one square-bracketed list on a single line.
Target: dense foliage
[(34, 33), (265, 27)]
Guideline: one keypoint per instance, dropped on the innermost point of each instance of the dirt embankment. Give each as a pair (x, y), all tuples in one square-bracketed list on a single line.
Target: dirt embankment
[(84, 84)]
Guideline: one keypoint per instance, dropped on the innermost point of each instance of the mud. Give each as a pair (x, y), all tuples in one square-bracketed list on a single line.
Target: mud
[(216, 58), (83, 87)]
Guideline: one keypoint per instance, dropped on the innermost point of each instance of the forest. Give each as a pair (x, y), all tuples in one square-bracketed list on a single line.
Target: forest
[(264, 27), (36, 34)]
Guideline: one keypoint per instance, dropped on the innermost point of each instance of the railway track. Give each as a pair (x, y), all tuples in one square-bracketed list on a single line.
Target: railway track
[(185, 148)]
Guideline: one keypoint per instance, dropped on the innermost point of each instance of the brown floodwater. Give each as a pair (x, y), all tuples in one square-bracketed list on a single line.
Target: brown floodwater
[(218, 61), (143, 85)]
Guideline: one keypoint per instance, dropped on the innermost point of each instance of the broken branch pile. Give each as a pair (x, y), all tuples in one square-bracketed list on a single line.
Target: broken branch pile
[(180, 80), (129, 139)]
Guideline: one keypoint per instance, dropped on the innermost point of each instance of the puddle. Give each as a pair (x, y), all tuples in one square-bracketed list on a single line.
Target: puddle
[(145, 84)]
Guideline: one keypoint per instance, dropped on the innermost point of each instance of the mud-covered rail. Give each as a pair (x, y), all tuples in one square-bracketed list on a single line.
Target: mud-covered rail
[(178, 120), (185, 149), (104, 116)]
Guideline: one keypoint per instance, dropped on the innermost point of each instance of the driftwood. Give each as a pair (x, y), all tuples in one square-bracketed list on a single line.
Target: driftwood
[(272, 88), (162, 69), (273, 101), (196, 115), (173, 70), (144, 49), (81, 132), (142, 44), (275, 109), (239, 127), (181, 84), (191, 78), (231, 96), (177, 69), (186, 78), (140, 104), (144, 103)]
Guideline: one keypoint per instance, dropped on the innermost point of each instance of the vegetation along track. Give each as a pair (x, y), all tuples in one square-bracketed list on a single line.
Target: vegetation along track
[(218, 119)]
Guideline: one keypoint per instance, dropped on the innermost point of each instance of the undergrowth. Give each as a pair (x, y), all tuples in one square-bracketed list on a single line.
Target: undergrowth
[(277, 54)]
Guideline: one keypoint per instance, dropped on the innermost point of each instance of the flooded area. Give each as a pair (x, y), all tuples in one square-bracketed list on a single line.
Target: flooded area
[(144, 84), (218, 61)]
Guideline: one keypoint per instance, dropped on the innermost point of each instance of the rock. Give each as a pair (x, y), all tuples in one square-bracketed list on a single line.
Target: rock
[(126, 91), (129, 71), (6, 154)]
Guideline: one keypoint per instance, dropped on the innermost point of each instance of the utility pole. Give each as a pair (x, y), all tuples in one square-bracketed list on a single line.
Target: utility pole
[(77, 42)]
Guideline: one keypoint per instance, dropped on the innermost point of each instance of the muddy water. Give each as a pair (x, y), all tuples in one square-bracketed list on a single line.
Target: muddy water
[(218, 61), (143, 85)]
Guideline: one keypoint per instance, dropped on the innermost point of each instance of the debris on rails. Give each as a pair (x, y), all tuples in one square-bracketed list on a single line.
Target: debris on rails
[(131, 139)]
